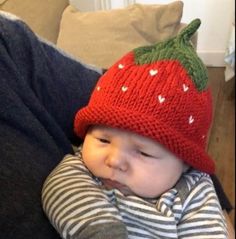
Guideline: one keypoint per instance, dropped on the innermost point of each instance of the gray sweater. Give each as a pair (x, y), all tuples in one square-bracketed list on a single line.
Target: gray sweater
[(77, 205)]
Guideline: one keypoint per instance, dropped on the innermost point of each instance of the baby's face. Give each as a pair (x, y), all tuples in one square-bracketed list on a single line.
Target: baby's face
[(129, 162)]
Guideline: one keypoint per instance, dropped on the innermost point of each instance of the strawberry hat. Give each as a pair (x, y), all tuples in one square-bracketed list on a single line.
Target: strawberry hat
[(158, 91)]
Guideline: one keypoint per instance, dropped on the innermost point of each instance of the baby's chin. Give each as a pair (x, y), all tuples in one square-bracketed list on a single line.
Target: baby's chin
[(125, 190)]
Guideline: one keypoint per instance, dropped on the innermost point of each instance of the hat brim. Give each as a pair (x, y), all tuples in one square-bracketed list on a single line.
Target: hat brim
[(191, 153)]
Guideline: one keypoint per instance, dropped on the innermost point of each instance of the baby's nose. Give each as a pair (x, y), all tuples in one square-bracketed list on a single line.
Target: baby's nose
[(117, 160)]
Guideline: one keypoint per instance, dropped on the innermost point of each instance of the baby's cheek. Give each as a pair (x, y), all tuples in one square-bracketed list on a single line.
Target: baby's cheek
[(142, 187), (152, 185)]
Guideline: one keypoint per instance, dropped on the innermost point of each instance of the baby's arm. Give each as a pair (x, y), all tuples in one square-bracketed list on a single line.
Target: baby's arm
[(202, 215), (76, 206)]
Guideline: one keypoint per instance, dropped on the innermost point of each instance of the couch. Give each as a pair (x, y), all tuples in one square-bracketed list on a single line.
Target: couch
[(98, 38)]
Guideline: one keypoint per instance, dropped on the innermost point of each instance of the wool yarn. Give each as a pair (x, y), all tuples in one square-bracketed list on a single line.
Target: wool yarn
[(158, 91)]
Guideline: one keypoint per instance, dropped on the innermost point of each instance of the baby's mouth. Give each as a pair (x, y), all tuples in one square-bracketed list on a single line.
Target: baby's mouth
[(110, 184)]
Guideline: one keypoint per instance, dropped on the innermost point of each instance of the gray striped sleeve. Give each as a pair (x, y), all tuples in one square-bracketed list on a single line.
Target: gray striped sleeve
[(74, 203), (202, 215)]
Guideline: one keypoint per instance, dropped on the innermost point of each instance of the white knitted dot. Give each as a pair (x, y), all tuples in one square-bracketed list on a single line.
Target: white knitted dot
[(120, 66), (190, 119), (161, 99), (153, 72), (185, 88), (124, 88)]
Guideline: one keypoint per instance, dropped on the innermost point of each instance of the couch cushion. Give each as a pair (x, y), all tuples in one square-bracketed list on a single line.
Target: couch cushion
[(102, 37), (42, 16)]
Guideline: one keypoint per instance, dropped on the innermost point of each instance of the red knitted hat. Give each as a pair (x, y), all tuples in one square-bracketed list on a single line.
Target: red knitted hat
[(160, 92)]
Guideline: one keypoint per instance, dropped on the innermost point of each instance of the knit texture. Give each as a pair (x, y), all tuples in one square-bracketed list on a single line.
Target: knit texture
[(178, 48), (159, 92)]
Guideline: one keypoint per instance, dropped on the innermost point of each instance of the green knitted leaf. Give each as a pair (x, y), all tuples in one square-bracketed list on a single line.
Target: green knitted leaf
[(177, 48)]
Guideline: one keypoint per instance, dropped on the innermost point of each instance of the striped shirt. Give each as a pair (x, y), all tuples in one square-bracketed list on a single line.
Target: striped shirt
[(74, 200)]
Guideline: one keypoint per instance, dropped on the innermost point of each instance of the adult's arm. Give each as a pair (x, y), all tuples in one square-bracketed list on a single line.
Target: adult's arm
[(41, 88)]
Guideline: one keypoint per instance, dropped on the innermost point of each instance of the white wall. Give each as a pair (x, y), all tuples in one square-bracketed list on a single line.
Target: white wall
[(216, 16)]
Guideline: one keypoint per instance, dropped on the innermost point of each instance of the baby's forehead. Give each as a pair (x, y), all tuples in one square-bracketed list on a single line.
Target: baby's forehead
[(123, 133)]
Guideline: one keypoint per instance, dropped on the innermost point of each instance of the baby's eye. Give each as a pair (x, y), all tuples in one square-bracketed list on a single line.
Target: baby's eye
[(103, 140), (145, 154)]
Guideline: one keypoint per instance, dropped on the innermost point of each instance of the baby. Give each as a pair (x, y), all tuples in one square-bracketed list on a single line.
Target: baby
[(142, 171)]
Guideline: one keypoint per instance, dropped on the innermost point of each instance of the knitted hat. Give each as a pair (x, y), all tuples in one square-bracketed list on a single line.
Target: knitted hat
[(160, 92)]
